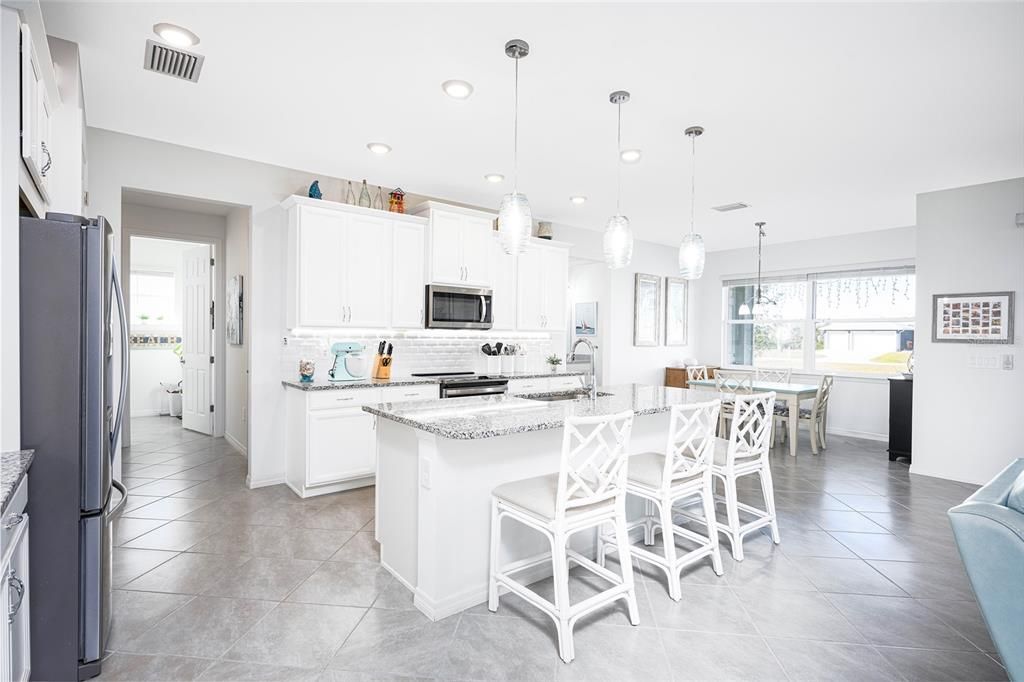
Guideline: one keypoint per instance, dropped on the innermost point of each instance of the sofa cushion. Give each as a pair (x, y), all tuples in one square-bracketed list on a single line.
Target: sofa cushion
[(1015, 500)]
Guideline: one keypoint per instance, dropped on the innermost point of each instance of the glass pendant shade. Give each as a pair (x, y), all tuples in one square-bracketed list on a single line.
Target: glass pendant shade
[(515, 223), (744, 309), (618, 242), (691, 257)]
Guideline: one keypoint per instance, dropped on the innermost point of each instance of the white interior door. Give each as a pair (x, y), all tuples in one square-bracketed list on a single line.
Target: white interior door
[(197, 341)]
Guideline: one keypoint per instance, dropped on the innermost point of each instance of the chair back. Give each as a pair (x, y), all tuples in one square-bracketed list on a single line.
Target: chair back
[(696, 373), (822, 396), (751, 432), (734, 382), (778, 376), (691, 440), (595, 452)]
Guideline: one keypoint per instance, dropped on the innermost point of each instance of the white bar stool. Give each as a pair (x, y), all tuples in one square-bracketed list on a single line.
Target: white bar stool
[(663, 481), (588, 491)]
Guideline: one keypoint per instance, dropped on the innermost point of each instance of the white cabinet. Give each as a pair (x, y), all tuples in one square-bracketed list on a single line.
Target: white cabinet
[(36, 114), (553, 384), (503, 283), (542, 274), (339, 268), (459, 246), (408, 293), (15, 649)]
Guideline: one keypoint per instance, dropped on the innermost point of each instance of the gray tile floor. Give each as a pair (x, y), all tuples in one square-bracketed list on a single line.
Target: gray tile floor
[(218, 582)]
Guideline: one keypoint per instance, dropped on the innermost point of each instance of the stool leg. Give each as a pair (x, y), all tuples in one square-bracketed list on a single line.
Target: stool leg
[(708, 498), (492, 585), (648, 522), (626, 560), (560, 570), (768, 490), (733, 514), (668, 539)]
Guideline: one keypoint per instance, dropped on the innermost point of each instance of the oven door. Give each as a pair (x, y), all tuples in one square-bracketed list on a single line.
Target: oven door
[(458, 307)]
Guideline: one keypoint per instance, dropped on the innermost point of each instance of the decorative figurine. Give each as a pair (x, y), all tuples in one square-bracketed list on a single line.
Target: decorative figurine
[(314, 190), (364, 196), (306, 370), (396, 201)]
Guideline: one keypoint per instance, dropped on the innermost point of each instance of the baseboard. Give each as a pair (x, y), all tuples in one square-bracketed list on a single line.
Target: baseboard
[(235, 444), (866, 435), (147, 413), (263, 483)]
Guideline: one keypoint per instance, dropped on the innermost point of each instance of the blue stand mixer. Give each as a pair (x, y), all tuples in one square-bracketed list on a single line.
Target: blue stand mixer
[(349, 362)]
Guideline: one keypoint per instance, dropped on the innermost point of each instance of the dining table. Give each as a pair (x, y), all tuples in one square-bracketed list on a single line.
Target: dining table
[(789, 393)]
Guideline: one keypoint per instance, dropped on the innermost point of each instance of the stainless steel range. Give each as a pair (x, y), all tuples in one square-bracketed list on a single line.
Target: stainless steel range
[(462, 384)]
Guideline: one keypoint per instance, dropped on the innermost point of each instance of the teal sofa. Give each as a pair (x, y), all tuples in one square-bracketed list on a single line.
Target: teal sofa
[(989, 531)]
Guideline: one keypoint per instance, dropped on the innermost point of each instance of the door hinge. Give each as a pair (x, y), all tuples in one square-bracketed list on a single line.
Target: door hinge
[(211, 408), (211, 359), (211, 261), (213, 324)]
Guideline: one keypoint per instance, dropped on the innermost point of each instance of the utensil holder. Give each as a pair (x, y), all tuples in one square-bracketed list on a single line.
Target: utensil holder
[(494, 364), (508, 364), (382, 366), (521, 364)]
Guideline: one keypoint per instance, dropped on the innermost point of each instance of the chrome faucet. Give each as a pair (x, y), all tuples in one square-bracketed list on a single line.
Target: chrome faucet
[(592, 389)]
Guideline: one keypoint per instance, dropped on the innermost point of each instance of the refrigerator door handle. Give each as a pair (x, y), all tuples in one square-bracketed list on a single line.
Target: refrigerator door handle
[(116, 509), (123, 321)]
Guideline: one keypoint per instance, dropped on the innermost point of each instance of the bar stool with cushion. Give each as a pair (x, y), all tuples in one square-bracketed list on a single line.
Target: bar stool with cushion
[(588, 491), (814, 416), (745, 453), (664, 481), (729, 384)]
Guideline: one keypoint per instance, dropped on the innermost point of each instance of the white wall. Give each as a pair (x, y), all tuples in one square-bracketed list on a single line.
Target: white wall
[(967, 420), (236, 262), (10, 354), (859, 406)]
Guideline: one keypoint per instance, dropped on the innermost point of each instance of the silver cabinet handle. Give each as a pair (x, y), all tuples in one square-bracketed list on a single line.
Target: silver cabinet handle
[(341, 400), (411, 395), (15, 583), (49, 160), (13, 520)]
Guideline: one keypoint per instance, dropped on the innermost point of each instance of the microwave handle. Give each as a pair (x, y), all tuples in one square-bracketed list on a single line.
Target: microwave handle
[(483, 308)]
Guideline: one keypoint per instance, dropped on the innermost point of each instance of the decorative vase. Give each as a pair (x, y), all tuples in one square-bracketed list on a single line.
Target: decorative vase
[(306, 371), (314, 190), (350, 196), (364, 196), (378, 199), (544, 230)]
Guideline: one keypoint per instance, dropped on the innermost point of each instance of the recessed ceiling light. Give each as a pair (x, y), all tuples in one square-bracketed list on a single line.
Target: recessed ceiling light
[(494, 177), (629, 155), (378, 148), (578, 199), (457, 89), (175, 35)]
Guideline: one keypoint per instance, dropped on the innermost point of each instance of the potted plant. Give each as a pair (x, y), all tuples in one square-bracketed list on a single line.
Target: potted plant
[(554, 361)]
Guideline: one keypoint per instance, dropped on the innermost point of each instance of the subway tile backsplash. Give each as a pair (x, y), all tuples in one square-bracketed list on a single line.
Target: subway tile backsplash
[(433, 351)]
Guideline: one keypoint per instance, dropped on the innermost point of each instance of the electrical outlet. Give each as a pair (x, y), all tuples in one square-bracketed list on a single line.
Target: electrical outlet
[(1008, 361)]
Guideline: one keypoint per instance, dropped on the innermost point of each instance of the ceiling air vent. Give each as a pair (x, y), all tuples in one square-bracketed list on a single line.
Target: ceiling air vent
[(725, 208), (172, 61)]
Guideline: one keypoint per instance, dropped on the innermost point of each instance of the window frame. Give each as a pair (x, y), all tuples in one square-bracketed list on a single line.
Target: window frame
[(153, 325), (809, 322)]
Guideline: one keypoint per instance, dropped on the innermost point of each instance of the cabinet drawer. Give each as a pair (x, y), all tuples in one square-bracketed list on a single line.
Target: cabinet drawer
[(565, 383), (395, 394), (539, 385), (15, 516), (343, 397)]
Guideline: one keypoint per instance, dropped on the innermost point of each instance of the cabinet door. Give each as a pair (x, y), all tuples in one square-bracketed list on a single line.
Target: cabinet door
[(15, 579), (530, 285), (477, 241), (32, 88), (503, 282), (556, 285), (367, 289), (341, 445), (446, 248), (408, 295), (320, 267)]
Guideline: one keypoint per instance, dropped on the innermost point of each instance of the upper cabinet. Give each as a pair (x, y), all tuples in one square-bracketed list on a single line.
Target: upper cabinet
[(341, 266), (503, 284), (542, 275), (36, 116), (408, 294), (459, 244)]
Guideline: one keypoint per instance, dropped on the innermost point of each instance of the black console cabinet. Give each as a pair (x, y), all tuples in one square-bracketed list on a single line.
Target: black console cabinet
[(901, 401)]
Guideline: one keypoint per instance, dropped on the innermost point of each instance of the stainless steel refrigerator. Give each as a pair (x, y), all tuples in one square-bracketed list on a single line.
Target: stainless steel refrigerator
[(69, 295)]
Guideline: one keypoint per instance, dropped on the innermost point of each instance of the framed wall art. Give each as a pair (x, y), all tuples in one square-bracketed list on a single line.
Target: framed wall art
[(646, 310), (675, 311), (234, 316), (973, 318), (584, 319)]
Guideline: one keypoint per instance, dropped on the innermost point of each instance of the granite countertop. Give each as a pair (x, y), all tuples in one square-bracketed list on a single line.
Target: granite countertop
[(323, 385), (489, 416), (13, 466)]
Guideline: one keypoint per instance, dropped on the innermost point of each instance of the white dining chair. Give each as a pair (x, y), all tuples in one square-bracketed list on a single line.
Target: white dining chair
[(664, 480), (588, 491), (777, 376), (814, 416), (728, 385), (745, 453), (696, 373)]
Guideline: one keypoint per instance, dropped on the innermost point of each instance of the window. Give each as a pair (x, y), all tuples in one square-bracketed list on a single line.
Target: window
[(859, 322), (152, 299)]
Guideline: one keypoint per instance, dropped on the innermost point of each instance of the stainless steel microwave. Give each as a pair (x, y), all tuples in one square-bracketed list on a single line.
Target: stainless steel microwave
[(451, 307)]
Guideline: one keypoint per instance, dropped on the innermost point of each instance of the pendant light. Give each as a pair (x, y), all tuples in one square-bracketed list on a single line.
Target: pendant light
[(618, 235), (691, 249), (755, 305), (515, 220)]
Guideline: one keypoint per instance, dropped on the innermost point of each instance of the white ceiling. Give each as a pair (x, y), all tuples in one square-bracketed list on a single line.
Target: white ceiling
[(827, 118)]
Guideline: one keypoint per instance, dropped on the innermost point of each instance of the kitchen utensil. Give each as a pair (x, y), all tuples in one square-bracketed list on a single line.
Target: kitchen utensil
[(349, 362), (498, 346), (486, 349)]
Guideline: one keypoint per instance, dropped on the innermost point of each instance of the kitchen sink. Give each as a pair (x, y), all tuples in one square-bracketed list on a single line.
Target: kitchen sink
[(574, 395)]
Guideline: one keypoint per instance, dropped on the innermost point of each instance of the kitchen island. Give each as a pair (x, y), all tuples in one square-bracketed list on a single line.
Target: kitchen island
[(439, 460)]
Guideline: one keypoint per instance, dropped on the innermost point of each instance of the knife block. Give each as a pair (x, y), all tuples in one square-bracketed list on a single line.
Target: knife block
[(382, 366)]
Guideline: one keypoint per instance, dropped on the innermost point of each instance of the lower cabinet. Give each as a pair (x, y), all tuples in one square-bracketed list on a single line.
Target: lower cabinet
[(15, 651), (551, 384), (332, 442)]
